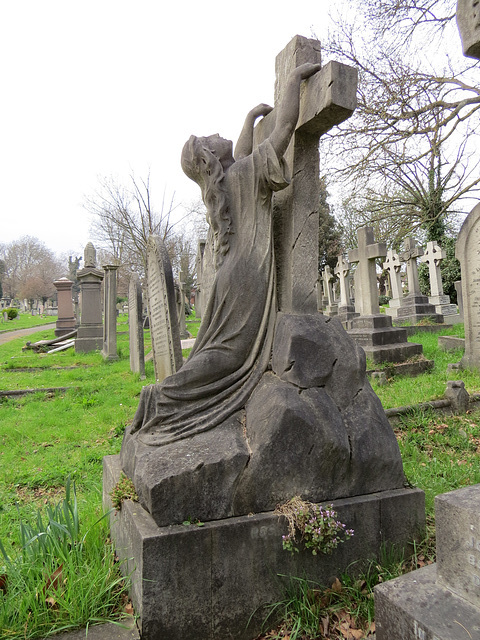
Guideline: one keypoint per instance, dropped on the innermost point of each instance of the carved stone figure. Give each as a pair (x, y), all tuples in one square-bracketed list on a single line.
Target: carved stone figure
[(233, 346)]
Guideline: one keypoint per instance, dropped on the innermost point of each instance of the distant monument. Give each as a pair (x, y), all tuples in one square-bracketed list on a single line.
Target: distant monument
[(135, 326), (109, 350), (90, 332), (66, 317), (273, 400)]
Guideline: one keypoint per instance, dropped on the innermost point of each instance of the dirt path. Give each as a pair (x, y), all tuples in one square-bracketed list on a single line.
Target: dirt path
[(11, 335)]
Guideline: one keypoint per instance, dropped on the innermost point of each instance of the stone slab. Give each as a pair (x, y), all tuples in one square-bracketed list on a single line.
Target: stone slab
[(450, 343), (415, 607), (213, 582), (457, 518)]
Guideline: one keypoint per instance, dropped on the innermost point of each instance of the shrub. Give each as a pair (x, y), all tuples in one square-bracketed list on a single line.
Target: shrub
[(11, 312)]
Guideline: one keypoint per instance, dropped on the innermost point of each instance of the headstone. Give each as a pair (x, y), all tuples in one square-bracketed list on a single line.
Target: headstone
[(228, 437), (166, 346), (414, 307), (180, 298), (393, 266), (66, 320), (458, 289), (135, 326), (328, 279), (199, 294), (366, 289), (433, 257), (440, 601), (346, 309), (373, 331), (109, 350), (5, 316), (466, 251), (90, 332)]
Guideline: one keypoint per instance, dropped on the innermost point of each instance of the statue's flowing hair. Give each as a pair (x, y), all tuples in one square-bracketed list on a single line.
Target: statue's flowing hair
[(204, 168)]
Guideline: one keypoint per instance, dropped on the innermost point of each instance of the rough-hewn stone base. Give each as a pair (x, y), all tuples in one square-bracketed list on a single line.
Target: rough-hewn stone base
[(191, 582)]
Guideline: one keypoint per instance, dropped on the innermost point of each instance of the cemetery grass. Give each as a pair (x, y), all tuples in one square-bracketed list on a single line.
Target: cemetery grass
[(26, 321), (48, 437)]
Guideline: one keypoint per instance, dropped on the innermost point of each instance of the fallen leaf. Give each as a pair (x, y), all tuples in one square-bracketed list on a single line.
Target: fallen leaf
[(325, 623), (54, 579), (129, 609), (357, 633), (51, 602), (337, 586)]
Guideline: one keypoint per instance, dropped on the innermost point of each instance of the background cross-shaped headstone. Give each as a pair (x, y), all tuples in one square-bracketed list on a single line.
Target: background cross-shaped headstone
[(366, 291), (328, 279), (342, 269), (433, 256), (327, 98), (409, 255), (393, 265)]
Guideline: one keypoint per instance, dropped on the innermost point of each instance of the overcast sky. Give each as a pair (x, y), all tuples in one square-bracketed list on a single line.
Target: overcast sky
[(106, 87)]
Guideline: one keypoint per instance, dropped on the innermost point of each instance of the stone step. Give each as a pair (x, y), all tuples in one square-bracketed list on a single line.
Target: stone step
[(416, 607), (392, 353)]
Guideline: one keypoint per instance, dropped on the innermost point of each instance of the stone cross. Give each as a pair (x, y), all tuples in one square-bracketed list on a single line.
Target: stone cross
[(433, 256), (366, 291), (468, 22), (342, 270), (327, 99), (409, 255), (393, 265), (328, 279)]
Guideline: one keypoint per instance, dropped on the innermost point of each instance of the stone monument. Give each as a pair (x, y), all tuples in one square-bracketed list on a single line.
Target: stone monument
[(440, 601), (328, 278), (90, 332), (199, 295), (433, 257), (180, 298), (414, 307), (393, 266), (109, 350), (372, 330), (467, 253), (135, 326), (66, 318), (162, 310), (270, 404), (346, 310)]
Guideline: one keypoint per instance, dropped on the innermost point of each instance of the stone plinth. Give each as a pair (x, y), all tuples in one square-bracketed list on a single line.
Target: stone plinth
[(66, 318), (381, 341), (90, 332), (415, 308), (214, 582), (441, 601)]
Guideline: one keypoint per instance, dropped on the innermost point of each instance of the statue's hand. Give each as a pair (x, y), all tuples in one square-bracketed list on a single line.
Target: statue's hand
[(261, 110), (306, 70)]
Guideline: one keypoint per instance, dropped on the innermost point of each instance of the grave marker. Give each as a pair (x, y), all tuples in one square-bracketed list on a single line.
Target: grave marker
[(433, 257), (166, 346), (366, 290), (90, 332), (66, 319), (393, 265), (109, 350), (135, 326)]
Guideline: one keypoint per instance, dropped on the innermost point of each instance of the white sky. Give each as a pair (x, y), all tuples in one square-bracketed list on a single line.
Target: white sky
[(106, 87)]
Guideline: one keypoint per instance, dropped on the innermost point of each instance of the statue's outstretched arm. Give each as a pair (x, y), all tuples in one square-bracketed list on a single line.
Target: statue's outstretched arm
[(244, 145), (288, 110)]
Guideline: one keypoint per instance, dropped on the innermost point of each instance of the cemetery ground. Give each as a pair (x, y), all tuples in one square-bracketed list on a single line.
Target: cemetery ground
[(49, 437)]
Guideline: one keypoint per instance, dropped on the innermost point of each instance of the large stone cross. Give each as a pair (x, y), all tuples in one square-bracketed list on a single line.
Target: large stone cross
[(433, 256), (409, 255), (327, 99), (393, 265), (366, 291), (342, 269)]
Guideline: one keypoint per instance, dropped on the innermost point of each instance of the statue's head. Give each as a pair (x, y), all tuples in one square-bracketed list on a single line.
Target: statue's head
[(201, 157)]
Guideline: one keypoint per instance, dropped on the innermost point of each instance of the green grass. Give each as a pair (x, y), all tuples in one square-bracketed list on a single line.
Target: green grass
[(47, 437), (25, 321)]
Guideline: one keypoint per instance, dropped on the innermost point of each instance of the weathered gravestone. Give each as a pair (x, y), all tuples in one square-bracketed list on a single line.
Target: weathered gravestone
[(346, 310), (328, 278), (135, 326), (393, 266), (90, 332), (180, 298), (199, 296), (440, 601), (162, 311), (372, 330), (269, 404), (467, 252), (66, 319), (109, 349), (414, 307)]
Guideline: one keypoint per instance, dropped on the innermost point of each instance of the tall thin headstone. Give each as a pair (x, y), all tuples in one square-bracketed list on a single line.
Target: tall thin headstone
[(90, 332), (468, 254), (199, 294), (166, 345), (180, 294), (66, 318), (328, 278), (135, 326), (392, 266), (109, 350), (329, 99)]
